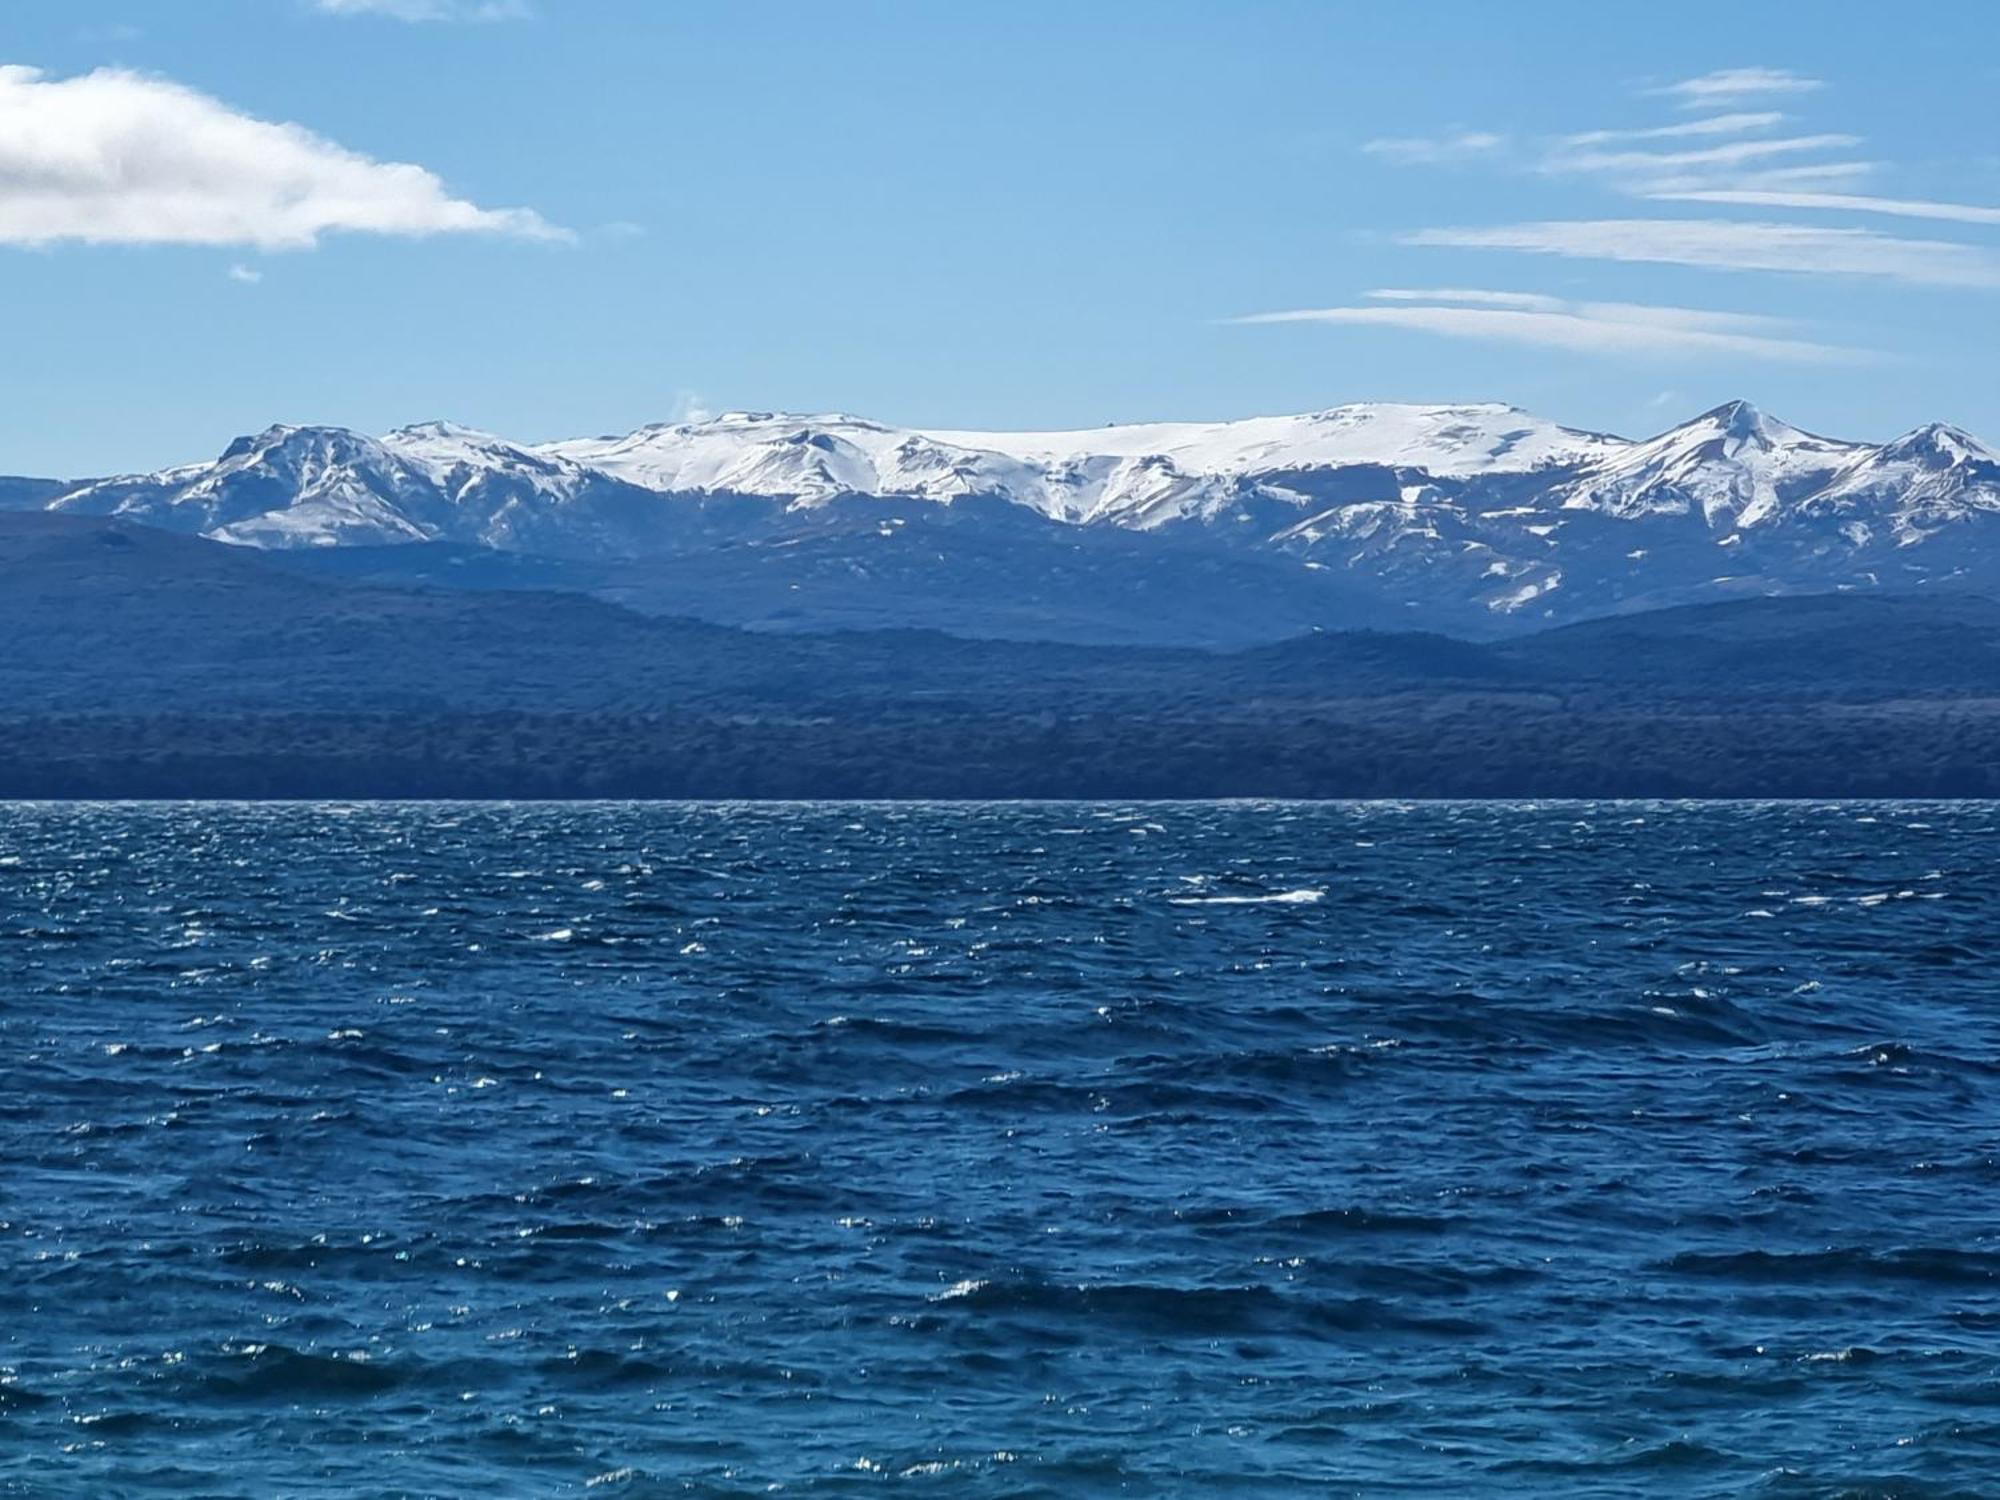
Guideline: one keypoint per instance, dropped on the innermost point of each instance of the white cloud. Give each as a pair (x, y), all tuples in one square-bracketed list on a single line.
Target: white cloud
[(429, 10), (116, 157), (1601, 328), (1734, 154), (1674, 187), (1730, 245), (1772, 177), (1418, 150), (1736, 124), (1530, 300), (248, 275), (1908, 208), (1730, 85), (1810, 172)]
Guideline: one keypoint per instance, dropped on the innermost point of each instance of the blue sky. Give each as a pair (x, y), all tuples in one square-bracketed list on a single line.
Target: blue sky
[(610, 212)]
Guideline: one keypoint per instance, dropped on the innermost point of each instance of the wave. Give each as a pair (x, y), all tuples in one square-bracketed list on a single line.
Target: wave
[(1303, 896), (1171, 1311)]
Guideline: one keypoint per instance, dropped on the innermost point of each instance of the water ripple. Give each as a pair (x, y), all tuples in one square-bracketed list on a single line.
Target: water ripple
[(998, 1150)]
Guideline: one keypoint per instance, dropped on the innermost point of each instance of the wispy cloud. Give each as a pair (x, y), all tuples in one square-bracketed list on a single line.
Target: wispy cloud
[(1730, 150), (1706, 158), (1732, 85), (1907, 208), (1601, 328), (248, 275), (1716, 152), (1735, 124), (1419, 150), (116, 157), (1468, 295), (1824, 176), (429, 10), (1772, 177), (1734, 149), (1730, 245)]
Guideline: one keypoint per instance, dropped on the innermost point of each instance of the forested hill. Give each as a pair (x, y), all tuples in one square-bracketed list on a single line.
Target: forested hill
[(142, 663)]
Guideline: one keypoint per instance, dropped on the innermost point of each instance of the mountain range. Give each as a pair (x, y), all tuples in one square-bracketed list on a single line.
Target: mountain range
[(1477, 520)]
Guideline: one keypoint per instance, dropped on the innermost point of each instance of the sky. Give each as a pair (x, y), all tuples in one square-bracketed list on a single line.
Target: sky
[(551, 218)]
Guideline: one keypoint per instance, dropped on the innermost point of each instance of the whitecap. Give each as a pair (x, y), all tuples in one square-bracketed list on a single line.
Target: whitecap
[(1303, 896), (958, 1289)]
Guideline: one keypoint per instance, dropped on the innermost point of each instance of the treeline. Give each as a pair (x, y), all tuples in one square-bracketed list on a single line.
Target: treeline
[(1466, 747), (141, 664)]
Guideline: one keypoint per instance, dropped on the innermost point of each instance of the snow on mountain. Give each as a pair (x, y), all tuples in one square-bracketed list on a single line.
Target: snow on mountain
[(799, 458), (1734, 466), (810, 459), (1140, 475), (285, 486), (328, 487), (1917, 485), (1455, 515), (1451, 441), (455, 457)]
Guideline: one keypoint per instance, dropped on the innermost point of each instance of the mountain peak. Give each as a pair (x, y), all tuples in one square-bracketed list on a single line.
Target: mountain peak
[(1940, 444), (299, 437), (1740, 426), (256, 442), (439, 428), (1739, 419)]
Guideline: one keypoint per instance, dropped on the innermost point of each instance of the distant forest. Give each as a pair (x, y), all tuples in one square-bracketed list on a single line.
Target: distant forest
[(146, 665), (1387, 748)]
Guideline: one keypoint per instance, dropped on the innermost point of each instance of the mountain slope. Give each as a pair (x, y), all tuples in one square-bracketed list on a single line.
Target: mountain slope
[(144, 663), (1479, 519), (1734, 466)]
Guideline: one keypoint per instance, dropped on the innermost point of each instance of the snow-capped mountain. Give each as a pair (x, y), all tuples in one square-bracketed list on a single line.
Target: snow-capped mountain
[(1143, 475), (286, 486), (1469, 518), (1927, 480), (1734, 466), (328, 487)]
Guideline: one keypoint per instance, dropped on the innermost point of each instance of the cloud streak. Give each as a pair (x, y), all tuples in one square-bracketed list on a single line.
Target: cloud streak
[(1908, 208), (1471, 296), (1730, 85), (1736, 124), (1464, 145), (429, 10), (1734, 154), (116, 157), (1614, 329), (1729, 245)]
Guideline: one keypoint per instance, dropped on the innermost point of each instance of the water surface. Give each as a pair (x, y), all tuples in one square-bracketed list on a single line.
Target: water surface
[(1565, 1149)]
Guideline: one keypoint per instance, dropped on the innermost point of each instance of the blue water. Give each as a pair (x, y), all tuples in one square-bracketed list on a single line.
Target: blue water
[(1572, 1149)]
